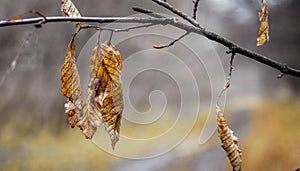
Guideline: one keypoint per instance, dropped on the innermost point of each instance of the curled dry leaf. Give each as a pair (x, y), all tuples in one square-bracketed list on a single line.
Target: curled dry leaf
[(69, 9), (229, 141), (263, 33), (104, 103), (91, 118), (70, 85)]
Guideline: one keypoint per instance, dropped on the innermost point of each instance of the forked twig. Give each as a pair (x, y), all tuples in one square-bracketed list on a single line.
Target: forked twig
[(177, 12)]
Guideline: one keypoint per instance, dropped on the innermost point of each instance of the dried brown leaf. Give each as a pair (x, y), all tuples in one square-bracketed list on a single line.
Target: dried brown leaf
[(69, 9), (109, 95), (70, 85), (229, 141), (105, 102), (91, 118), (263, 33)]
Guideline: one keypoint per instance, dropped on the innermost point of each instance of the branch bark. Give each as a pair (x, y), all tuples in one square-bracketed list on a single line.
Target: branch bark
[(196, 28), (195, 9)]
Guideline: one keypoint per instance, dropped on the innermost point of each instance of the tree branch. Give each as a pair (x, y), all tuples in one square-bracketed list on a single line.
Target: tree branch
[(214, 37), (283, 68), (177, 12), (147, 12), (55, 19)]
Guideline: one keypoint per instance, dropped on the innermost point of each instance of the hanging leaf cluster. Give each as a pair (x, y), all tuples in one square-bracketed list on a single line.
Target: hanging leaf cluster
[(104, 103)]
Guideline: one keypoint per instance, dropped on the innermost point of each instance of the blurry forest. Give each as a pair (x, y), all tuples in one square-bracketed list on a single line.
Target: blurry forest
[(264, 110)]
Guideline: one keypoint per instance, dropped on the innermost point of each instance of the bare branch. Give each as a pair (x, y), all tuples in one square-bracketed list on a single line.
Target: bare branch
[(177, 12), (283, 68), (134, 27), (172, 43), (227, 84), (232, 52), (147, 12), (195, 9), (214, 37), (85, 19)]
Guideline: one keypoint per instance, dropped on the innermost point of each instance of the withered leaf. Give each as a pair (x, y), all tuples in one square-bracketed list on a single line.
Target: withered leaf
[(70, 85), (263, 33), (69, 9), (91, 118), (105, 102), (229, 141)]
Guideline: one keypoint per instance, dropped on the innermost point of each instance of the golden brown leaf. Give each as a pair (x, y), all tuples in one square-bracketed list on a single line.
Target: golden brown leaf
[(70, 85), (263, 33), (91, 117), (105, 102), (109, 95), (69, 9), (229, 141)]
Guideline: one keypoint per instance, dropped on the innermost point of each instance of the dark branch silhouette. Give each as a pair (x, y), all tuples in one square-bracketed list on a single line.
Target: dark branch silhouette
[(173, 21), (196, 3)]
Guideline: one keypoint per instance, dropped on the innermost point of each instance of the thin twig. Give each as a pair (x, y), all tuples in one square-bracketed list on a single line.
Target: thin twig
[(227, 84), (172, 43), (232, 52), (110, 37), (165, 21), (134, 27), (147, 12), (13, 64), (96, 27), (195, 9)]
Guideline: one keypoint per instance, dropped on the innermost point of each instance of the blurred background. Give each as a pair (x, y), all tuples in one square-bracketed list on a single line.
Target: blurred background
[(264, 111)]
